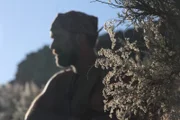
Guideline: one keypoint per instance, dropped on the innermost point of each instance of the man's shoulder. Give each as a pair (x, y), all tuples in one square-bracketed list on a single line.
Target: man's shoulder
[(61, 78)]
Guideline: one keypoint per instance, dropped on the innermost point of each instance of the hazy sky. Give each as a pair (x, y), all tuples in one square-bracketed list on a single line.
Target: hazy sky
[(25, 24)]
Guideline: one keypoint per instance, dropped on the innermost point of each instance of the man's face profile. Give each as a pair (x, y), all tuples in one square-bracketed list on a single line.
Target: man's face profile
[(68, 32), (62, 47)]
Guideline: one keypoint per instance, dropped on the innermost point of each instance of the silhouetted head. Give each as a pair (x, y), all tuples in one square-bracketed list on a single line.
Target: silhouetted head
[(72, 32)]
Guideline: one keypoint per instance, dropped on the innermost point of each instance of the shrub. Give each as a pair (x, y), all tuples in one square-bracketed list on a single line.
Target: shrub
[(145, 89), (15, 100)]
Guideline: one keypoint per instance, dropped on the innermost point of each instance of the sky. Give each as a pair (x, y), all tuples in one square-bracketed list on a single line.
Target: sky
[(25, 24)]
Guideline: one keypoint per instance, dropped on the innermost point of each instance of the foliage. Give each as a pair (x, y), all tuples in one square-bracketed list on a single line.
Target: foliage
[(15, 100), (145, 89)]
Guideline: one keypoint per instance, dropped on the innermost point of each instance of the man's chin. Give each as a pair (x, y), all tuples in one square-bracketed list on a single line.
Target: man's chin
[(61, 64), (63, 61), (57, 64)]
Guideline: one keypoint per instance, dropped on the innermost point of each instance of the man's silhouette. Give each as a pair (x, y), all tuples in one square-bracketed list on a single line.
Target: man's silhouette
[(74, 93)]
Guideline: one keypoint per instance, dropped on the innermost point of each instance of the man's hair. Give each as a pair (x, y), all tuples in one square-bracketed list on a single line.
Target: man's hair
[(78, 23), (92, 40)]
